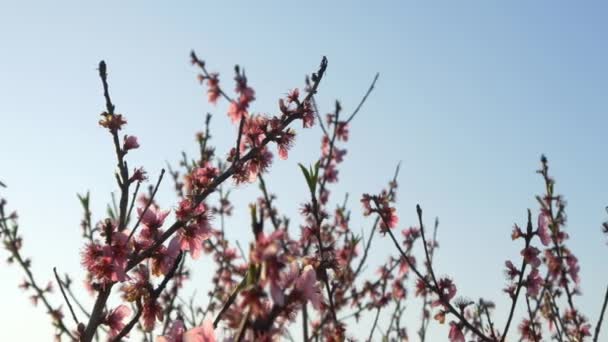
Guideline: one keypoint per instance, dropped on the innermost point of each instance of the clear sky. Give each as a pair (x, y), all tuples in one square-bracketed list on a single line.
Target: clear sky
[(470, 94)]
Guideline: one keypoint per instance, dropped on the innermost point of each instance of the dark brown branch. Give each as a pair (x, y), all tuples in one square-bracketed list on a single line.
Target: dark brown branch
[(230, 301), (520, 280), (65, 297), (601, 318), (155, 294), (133, 200), (371, 333)]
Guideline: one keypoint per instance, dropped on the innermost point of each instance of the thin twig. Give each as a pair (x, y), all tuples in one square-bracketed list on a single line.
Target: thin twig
[(520, 281), (371, 87), (160, 178), (601, 318), (371, 333), (65, 297), (133, 200), (433, 288)]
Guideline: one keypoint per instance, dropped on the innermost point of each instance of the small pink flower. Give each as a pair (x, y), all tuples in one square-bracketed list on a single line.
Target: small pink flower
[(447, 291), (284, 143), (530, 255), (543, 229), (293, 95), (390, 218), (139, 175), (366, 201), (342, 131), (237, 110), (151, 312), (585, 330), (130, 143), (152, 218), (511, 270), (191, 238), (573, 267), (455, 334), (204, 333), (534, 282), (213, 93), (114, 320), (308, 115), (177, 333), (517, 233), (307, 285)]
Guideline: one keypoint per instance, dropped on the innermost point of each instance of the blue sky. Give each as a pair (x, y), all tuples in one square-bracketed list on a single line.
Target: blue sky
[(470, 94)]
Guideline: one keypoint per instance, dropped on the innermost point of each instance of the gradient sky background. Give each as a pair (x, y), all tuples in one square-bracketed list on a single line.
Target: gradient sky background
[(470, 95)]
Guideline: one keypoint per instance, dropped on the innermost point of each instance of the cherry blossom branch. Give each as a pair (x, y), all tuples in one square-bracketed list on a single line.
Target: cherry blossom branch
[(433, 288), (65, 297), (173, 296), (133, 200), (425, 302), (557, 319), (268, 202), (148, 204), (201, 64), (316, 109), (532, 325), (237, 150), (371, 87), (230, 171), (113, 122), (522, 269), (555, 220), (155, 294), (601, 318), (230, 301), (391, 194), (371, 333), (67, 286), (323, 270), (429, 261), (123, 182), (378, 309), (490, 323)]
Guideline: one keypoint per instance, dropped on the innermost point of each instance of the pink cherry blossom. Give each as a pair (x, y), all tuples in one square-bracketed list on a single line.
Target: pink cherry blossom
[(204, 333), (534, 282), (530, 255), (114, 320), (543, 231), (152, 218), (455, 334), (191, 238), (130, 143), (307, 285)]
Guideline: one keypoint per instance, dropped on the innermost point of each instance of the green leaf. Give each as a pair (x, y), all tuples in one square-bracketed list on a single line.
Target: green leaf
[(311, 176)]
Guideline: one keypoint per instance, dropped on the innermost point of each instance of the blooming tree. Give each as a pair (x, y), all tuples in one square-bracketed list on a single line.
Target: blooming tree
[(139, 258)]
